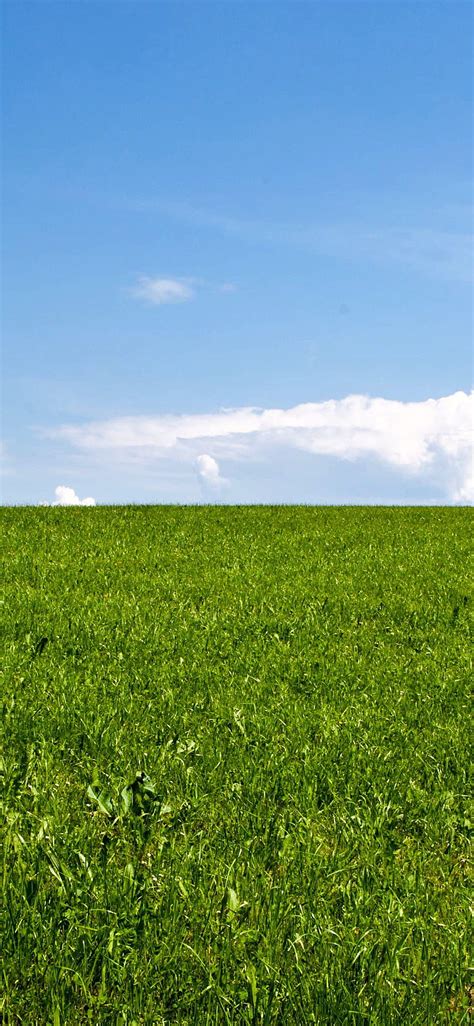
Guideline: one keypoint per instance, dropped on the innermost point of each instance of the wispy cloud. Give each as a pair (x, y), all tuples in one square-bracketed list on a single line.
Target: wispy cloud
[(436, 252), (66, 496), (434, 435), (159, 291)]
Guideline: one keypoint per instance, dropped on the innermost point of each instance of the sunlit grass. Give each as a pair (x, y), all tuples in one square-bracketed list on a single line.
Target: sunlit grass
[(236, 766)]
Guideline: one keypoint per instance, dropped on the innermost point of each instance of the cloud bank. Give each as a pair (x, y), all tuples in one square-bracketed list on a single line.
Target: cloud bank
[(433, 435)]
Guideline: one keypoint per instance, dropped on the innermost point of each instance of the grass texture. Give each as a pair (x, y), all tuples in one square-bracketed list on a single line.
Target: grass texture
[(235, 759)]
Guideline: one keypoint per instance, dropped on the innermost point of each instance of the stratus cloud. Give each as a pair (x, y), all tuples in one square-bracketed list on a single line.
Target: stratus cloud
[(209, 471), (66, 496), (159, 291), (412, 436)]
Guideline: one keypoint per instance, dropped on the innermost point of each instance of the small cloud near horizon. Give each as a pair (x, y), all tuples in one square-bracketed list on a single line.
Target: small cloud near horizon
[(209, 471), (66, 496)]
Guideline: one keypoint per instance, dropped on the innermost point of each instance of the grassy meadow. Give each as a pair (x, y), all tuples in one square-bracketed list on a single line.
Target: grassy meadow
[(235, 766)]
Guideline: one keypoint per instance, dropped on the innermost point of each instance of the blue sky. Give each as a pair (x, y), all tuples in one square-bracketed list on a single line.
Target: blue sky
[(226, 207)]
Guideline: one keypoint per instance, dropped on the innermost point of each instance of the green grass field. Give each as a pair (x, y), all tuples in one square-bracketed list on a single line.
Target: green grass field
[(235, 762)]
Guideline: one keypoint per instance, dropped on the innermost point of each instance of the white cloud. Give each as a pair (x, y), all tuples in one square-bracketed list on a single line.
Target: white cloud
[(465, 492), (434, 435), (209, 471), (159, 291), (66, 496)]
